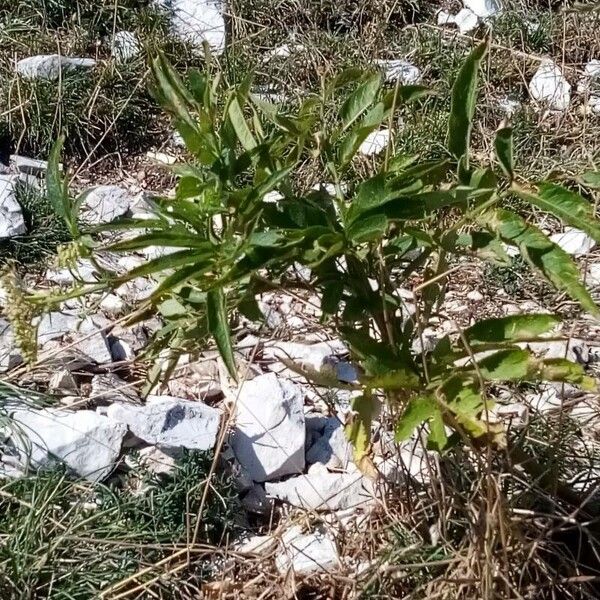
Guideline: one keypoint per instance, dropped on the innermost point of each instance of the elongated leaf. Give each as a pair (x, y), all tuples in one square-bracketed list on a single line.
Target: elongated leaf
[(58, 191), (462, 107), (218, 325), (510, 329), (176, 238), (569, 207), (563, 370), (240, 126), (542, 254), (512, 364), (418, 411), (169, 261), (358, 430), (360, 99), (437, 439), (504, 151)]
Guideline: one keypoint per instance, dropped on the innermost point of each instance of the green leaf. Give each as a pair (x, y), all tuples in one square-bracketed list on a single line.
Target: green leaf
[(510, 329), (542, 254), (437, 439), (358, 430), (58, 191), (360, 99), (177, 237), (218, 326), (332, 296), (368, 229), (563, 370), (417, 411), (569, 207), (462, 107), (504, 151), (240, 126), (591, 179), (513, 364)]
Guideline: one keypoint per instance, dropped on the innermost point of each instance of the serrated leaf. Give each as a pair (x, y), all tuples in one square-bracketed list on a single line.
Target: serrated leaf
[(360, 100), (462, 107), (510, 329), (418, 411), (218, 326), (541, 253), (568, 206), (503, 144)]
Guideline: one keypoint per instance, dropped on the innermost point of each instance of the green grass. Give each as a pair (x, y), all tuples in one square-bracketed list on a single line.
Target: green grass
[(67, 539), (45, 231)]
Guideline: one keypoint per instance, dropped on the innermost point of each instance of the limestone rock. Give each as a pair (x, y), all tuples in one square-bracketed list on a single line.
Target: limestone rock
[(573, 241), (331, 448), (12, 222), (375, 143), (268, 439), (88, 443), (126, 46), (550, 87), (108, 388), (323, 491), (29, 166), (49, 66), (10, 356), (307, 553), (104, 204), (484, 8), (400, 71), (169, 422)]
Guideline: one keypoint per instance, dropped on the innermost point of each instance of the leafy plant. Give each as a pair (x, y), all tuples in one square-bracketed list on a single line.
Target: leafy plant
[(362, 241)]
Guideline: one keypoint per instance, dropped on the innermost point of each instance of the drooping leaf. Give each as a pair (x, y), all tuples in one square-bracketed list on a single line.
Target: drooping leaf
[(418, 411), (462, 107), (541, 253), (218, 325), (568, 206), (512, 364), (563, 370), (510, 329), (358, 431), (504, 151)]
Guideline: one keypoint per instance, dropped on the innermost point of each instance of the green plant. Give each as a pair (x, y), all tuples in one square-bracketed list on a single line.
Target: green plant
[(69, 539), (230, 245)]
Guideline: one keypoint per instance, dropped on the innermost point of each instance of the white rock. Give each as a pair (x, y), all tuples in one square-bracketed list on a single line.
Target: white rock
[(324, 491), (314, 356), (196, 21), (12, 222), (88, 443), (108, 388), (592, 68), (549, 86), (332, 448), (62, 381), (594, 104), (484, 8), (55, 325), (573, 241), (29, 166), (10, 356), (268, 439), (104, 204), (158, 461), (445, 18), (126, 46), (49, 66), (593, 274), (92, 342), (547, 399), (304, 554), (466, 20), (375, 143), (169, 422), (400, 70), (273, 197), (255, 544), (475, 296)]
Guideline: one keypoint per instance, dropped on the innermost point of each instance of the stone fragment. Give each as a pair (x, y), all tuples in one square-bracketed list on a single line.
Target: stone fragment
[(10, 356), (50, 66), (12, 222), (323, 491), (104, 204), (108, 388), (484, 8), (331, 448), (29, 166), (550, 87), (268, 439), (169, 422), (375, 143), (88, 443), (573, 241), (126, 46), (307, 553), (400, 71)]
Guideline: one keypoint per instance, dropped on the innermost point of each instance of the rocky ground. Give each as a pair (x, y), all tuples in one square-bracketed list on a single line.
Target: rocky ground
[(307, 522)]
